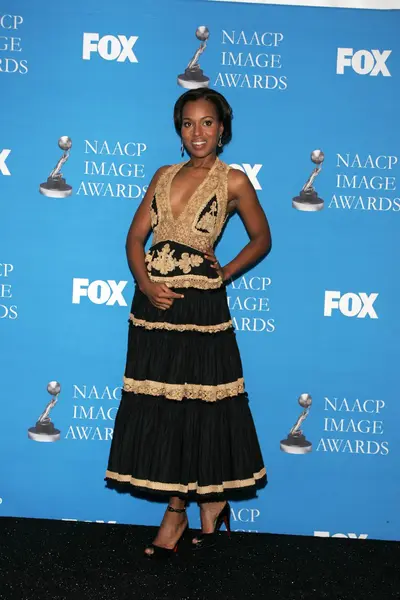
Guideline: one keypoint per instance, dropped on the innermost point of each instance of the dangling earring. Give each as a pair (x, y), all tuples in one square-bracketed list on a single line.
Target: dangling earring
[(220, 141), (182, 150)]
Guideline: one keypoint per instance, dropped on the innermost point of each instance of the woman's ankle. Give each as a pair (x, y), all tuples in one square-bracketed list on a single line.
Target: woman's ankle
[(176, 504), (212, 506)]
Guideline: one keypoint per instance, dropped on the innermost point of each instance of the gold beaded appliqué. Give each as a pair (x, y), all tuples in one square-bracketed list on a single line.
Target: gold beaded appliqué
[(164, 261), (208, 220)]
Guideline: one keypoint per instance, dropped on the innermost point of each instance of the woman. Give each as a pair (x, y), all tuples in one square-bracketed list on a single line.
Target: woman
[(184, 428)]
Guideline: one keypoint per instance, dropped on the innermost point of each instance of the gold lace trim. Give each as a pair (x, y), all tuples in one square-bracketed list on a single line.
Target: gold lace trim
[(180, 326), (165, 262), (176, 391), (185, 281), (190, 487)]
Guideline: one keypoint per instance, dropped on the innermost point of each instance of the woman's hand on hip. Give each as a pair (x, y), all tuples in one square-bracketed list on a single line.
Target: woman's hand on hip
[(210, 255)]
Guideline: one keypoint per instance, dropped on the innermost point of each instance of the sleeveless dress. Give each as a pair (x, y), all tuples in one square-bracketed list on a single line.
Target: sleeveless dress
[(184, 427)]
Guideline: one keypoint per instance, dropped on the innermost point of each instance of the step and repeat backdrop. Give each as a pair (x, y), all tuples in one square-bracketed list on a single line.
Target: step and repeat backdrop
[(87, 93)]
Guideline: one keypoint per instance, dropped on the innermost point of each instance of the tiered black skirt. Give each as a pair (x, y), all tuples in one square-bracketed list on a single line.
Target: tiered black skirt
[(184, 427)]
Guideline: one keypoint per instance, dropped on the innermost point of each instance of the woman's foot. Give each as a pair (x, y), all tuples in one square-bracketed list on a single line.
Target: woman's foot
[(209, 513), (171, 529)]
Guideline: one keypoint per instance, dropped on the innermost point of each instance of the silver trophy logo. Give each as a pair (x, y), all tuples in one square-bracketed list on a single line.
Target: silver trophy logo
[(193, 77), (56, 186), (296, 442), (308, 199), (44, 430)]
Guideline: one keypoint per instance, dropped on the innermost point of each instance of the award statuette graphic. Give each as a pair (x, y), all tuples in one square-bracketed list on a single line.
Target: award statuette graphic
[(193, 77), (56, 186), (44, 430), (296, 442), (308, 199)]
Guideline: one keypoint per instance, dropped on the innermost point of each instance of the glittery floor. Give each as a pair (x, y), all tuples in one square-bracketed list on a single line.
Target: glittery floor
[(85, 561)]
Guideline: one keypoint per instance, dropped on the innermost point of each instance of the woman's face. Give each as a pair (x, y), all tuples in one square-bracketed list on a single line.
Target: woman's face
[(200, 128)]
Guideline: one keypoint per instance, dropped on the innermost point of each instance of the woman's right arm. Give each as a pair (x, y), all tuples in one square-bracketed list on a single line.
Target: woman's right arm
[(158, 293)]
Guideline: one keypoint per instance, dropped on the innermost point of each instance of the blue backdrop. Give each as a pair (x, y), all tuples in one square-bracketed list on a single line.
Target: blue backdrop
[(319, 316)]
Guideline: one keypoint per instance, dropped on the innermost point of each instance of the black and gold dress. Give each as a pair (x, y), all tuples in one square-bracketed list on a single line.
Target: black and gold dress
[(184, 426)]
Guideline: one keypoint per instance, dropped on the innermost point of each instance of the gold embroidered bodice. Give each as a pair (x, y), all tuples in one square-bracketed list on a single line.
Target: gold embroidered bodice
[(178, 243), (202, 219)]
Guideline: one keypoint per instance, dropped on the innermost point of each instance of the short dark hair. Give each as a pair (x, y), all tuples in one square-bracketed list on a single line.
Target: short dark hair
[(224, 111)]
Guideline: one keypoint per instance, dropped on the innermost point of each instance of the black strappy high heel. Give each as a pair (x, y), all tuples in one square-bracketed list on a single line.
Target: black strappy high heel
[(165, 553), (208, 540)]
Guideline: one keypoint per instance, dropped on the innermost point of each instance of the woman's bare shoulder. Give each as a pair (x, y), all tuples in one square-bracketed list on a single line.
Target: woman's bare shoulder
[(159, 173), (237, 180)]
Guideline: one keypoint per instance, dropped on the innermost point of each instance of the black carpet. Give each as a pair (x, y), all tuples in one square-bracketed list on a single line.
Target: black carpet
[(84, 561)]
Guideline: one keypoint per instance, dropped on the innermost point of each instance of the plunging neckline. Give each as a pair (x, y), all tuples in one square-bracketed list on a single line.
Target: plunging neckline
[(199, 187)]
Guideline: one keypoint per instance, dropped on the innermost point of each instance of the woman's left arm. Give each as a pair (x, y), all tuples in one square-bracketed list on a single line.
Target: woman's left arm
[(243, 195)]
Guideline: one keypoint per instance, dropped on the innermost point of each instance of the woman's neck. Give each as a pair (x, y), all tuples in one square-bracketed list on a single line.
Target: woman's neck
[(205, 162)]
